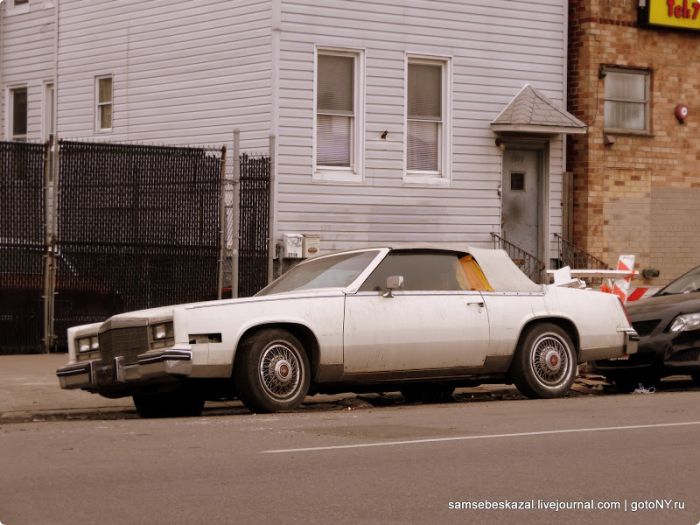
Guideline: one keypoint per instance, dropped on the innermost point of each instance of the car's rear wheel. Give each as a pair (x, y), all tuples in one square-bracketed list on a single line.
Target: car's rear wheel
[(430, 393), (272, 372), (178, 403), (544, 365)]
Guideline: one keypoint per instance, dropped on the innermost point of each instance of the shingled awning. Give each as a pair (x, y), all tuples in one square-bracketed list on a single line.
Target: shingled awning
[(532, 112)]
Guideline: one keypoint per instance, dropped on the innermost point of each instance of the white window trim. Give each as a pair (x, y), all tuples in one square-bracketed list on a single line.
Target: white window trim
[(46, 126), (9, 104), (647, 100), (355, 173), (443, 176), (96, 104)]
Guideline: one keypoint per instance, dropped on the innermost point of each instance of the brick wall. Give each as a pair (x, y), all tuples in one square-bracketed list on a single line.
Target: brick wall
[(640, 194)]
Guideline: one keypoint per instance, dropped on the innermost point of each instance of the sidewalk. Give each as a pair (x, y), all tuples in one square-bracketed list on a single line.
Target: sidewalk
[(29, 386)]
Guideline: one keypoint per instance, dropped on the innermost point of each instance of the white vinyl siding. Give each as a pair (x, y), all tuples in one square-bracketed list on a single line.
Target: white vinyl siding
[(491, 58), (26, 60), (339, 115), (186, 73)]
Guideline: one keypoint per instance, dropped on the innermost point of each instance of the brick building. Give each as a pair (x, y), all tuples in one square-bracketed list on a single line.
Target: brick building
[(633, 66)]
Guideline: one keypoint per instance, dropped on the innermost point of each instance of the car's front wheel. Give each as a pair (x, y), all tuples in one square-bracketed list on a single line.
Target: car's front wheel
[(272, 372), (544, 365)]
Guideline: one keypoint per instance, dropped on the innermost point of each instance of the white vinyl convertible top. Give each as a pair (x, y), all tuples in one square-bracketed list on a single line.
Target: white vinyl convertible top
[(502, 273)]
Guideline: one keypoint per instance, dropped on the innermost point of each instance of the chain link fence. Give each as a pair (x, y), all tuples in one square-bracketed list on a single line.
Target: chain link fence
[(138, 227), (22, 246)]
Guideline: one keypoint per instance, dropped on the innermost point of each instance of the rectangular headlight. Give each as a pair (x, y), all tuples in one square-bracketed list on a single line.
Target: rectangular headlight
[(87, 344), (162, 331), (162, 335)]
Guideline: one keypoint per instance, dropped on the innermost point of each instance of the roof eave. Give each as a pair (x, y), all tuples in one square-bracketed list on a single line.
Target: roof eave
[(538, 129)]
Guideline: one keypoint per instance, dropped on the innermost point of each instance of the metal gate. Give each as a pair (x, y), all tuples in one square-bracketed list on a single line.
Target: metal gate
[(254, 224), (138, 227), (22, 246)]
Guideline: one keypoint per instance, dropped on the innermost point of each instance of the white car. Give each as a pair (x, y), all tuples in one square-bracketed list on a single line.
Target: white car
[(419, 320)]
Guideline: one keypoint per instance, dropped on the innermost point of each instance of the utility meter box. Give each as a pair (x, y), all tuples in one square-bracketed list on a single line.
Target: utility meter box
[(311, 245), (292, 245)]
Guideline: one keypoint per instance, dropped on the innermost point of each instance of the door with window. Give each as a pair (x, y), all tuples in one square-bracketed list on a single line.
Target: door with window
[(437, 321), (521, 199)]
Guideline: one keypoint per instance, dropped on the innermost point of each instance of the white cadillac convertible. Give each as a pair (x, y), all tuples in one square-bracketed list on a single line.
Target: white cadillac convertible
[(421, 321)]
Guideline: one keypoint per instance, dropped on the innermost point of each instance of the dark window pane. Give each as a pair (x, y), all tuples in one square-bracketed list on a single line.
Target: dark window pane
[(421, 271), (517, 181), (19, 111)]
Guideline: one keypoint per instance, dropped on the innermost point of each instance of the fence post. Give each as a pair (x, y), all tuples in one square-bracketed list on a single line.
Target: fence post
[(235, 222), (271, 217), (51, 152), (222, 223)]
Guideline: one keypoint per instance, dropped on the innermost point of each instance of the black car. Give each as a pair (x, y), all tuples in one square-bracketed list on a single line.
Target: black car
[(669, 326)]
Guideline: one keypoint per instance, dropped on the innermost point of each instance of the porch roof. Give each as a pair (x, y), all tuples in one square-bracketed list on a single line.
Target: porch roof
[(532, 112)]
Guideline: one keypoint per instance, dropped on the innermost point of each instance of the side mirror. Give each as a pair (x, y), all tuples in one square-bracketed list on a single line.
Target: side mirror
[(393, 282)]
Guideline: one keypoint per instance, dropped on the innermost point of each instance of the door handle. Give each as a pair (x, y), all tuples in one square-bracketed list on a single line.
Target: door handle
[(480, 304)]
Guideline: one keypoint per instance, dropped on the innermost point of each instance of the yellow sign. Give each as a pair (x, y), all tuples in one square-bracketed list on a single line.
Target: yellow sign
[(682, 14)]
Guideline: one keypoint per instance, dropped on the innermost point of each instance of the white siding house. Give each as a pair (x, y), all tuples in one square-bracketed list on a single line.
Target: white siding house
[(383, 111)]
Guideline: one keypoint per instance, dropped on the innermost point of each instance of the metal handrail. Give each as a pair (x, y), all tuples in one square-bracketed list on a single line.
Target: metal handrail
[(528, 263), (574, 257)]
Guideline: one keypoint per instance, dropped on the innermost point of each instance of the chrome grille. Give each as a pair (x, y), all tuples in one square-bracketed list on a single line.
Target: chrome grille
[(128, 342)]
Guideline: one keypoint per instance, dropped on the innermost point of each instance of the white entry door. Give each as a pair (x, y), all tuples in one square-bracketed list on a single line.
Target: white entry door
[(521, 203)]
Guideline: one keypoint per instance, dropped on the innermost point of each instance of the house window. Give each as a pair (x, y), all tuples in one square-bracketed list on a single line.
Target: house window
[(18, 113), (338, 115), (427, 99), (103, 115), (626, 100)]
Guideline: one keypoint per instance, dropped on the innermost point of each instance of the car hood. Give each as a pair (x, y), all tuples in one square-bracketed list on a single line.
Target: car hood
[(688, 302), (164, 312)]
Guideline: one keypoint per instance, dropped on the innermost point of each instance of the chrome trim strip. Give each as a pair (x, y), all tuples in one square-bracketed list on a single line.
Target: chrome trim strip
[(168, 355), (73, 370)]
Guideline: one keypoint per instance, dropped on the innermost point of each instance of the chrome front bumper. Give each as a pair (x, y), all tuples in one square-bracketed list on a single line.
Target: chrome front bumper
[(96, 375)]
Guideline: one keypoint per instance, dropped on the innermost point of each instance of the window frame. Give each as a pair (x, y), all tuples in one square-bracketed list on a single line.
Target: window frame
[(355, 172), (444, 172), (11, 113), (15, 8), (48, 109), (98, 104), (646, 73)]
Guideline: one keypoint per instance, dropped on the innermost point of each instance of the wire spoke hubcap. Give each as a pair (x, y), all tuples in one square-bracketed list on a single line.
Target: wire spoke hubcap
[(280, 370), (550, 360)]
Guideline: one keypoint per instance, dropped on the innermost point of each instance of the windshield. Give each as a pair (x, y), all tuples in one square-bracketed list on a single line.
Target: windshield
[(336, 271), (690, 282)]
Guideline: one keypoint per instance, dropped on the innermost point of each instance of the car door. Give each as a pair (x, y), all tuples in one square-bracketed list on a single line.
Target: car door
[(435, 322)]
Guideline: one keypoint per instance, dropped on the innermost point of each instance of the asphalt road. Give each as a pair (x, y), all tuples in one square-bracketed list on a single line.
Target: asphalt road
[(393, 464)]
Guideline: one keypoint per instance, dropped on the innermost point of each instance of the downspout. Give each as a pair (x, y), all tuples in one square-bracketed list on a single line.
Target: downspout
[(276, 36), (55, 70)]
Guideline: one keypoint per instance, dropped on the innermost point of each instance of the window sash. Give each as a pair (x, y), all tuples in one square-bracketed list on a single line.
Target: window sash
[(104, 95), (424, 117), (19, 100), (334, 141), (626, 105), (336, 110)]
